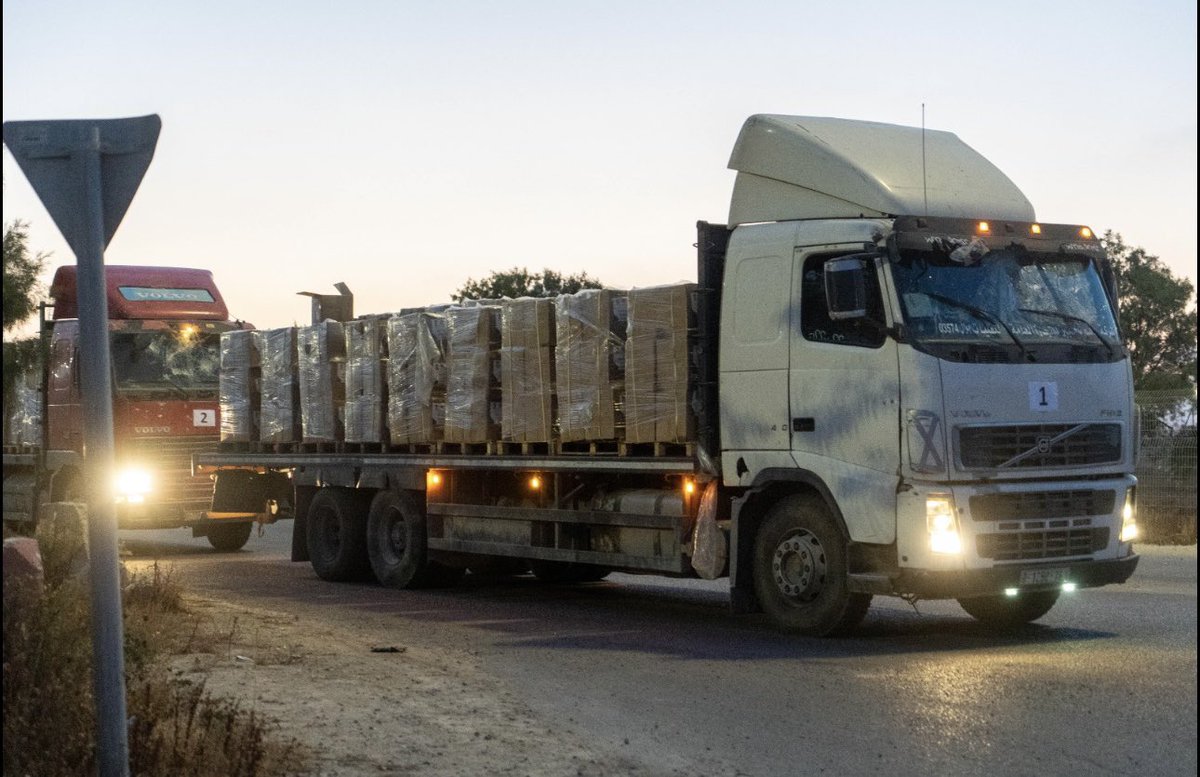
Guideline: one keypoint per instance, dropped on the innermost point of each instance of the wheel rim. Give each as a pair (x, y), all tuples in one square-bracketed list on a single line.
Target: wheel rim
[(798, 566), (395, 537)]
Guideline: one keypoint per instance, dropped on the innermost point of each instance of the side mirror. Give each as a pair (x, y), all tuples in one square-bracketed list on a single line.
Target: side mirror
[(846, 287)]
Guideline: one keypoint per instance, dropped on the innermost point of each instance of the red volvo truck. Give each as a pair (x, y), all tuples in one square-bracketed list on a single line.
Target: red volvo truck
[(165, 325)]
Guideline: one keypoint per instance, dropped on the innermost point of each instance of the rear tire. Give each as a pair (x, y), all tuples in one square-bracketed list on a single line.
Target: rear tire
[(1010, 611), (336, 534), (228, 537), (801, 570), (397, 544)]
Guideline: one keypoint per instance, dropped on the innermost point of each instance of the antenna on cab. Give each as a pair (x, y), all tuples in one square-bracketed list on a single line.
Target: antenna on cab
[(924, 180)]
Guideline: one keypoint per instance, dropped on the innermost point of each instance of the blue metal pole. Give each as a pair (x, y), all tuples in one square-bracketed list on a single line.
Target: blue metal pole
[(108, 665)]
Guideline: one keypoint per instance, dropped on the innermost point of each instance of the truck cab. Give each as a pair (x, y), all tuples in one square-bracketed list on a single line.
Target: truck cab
[(164, 333), (909, 356)]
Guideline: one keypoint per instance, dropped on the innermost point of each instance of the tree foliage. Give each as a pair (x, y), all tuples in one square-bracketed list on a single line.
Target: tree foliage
[(519, 282), (21, 270), (21, 291), (1158, 317)]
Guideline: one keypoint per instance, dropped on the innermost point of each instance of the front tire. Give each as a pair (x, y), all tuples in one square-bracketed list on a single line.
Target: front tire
[(228, 537), (1010, 611), (397, 546), (801, 570), (336, 534)]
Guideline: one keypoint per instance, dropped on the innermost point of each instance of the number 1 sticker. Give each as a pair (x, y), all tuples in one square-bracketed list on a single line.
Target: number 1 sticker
[(1043, 396), (204, 418)]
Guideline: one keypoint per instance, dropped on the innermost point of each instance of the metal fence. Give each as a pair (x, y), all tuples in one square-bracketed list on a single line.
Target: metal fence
[(1166, 465)]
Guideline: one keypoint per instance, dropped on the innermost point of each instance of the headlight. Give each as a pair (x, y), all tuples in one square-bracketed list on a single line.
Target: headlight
[(133, 484), (942, 524), (1129, 527)]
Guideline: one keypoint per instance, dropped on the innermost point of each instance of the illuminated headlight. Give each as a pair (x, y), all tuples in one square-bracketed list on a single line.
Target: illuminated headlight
[(943, 526), (1129, 527), (133, 485)]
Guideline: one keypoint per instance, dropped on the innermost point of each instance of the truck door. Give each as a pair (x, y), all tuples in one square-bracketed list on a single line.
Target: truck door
[(64, 416), (844, 397)]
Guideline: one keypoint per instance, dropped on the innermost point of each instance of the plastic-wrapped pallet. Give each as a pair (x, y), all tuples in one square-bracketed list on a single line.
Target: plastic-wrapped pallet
[(321, 349), (238, 386), (656, 365), (527, 369), (366, 405), (473, 380), (278, 419), (416, 378), (589, 356)]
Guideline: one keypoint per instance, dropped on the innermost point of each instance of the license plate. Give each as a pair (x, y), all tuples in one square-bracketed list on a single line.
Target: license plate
[(1040, 576)]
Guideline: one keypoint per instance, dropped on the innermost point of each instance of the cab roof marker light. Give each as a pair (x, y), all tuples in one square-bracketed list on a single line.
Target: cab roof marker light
[(984, 227), (1085, 233), (1035, 229)]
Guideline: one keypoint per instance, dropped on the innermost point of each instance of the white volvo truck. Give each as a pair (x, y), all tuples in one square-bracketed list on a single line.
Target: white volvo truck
[(904, 384)]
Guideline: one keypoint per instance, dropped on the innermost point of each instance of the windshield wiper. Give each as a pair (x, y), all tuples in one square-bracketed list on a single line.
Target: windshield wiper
[(1068, 317), (982, 314)]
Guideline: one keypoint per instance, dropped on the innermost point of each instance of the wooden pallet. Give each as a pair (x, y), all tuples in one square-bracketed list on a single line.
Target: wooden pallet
[(657, 449), (588, 448)]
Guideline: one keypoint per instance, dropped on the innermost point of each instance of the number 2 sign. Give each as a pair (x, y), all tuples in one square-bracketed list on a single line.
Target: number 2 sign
[(206, 417), (1043, 396)]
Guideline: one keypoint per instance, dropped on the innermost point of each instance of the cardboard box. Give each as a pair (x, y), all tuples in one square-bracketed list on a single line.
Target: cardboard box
[(589, 357), (527, 369), (321, 350), (238, 386), (473, 403), (279, 417), (416, 378), (366, 389), (656, 365)]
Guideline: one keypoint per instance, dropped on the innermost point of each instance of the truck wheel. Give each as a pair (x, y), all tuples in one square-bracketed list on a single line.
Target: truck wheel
[(1010, 611), (566, 572), (336, 534), (396, 545), (228, 537), (801, 570)]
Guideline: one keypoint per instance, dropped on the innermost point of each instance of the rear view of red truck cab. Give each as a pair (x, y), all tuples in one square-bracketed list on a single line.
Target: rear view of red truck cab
[(165, 325)]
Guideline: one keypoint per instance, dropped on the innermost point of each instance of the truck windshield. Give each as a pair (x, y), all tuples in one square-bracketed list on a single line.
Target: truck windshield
[(1005, 305), (182, 361)]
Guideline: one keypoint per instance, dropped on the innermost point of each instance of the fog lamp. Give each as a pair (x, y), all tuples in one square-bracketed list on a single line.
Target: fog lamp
[(1129, 527), (132, 485), (942, 524)]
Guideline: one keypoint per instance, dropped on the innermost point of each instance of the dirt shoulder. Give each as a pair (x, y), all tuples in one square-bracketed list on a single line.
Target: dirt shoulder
[(364, 704)]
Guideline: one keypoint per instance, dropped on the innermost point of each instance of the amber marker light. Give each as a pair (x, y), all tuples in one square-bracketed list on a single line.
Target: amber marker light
[(535, 483), (1085, 233), (985, 227), (1036, 229), (433, 479), (689, 487)]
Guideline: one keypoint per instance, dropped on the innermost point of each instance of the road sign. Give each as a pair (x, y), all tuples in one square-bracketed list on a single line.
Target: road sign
[(86, 173), (48, 153)]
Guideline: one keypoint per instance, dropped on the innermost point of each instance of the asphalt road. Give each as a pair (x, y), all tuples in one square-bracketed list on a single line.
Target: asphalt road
[(659, 671)]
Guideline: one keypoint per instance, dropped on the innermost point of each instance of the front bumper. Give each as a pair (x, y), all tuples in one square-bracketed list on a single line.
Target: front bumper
[(961, 584)]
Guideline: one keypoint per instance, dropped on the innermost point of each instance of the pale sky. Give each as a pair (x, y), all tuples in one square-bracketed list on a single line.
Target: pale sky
[(403, 147)]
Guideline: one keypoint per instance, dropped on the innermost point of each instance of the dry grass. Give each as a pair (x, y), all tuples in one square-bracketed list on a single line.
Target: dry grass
[(176, 727)]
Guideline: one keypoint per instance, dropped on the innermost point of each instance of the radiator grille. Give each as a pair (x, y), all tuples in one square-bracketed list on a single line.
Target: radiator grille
[(1042, 504), (171, 458), (1032, 545), (1038, 445)]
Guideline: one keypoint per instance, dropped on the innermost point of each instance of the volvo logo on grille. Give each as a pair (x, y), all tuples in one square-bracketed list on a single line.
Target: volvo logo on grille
[(1043, 443)]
